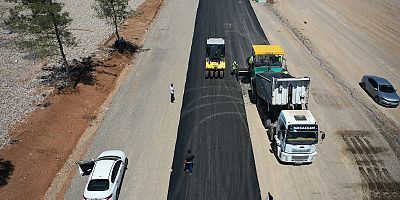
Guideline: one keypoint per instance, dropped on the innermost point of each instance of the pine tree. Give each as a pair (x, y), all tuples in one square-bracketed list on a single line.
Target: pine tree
[(113, 11), (42, 28)]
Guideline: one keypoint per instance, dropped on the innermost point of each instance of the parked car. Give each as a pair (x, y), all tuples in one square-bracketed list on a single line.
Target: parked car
[(381, 90), (106, 174)]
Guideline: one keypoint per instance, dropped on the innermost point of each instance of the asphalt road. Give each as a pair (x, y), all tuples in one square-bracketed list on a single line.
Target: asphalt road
[(213, 122), (140, 120)]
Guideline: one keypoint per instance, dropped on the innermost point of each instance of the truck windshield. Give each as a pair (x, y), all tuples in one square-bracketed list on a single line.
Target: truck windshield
[(302, 137), (267, 60)]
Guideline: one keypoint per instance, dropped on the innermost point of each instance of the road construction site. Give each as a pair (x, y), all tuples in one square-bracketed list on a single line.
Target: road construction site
[(223, 128), (332, 43), (234, 158)]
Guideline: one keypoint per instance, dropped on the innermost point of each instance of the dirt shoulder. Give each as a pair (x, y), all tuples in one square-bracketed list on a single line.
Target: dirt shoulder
[(50, 134)]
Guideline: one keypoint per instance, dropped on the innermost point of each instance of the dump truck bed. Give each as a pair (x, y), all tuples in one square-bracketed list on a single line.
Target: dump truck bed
[(282, 89)]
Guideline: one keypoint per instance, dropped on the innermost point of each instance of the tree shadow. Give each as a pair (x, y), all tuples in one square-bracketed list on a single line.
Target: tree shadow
[(125, 47), (80, 72), (6, 169)]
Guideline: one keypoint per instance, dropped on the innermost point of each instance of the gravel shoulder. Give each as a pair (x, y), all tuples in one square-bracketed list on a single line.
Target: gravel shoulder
[(40, 143), (21, 90), (357, 160)]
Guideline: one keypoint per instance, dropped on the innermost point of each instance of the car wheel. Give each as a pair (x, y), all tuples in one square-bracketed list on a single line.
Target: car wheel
[(377, 99), (118, 191), (363, 85)]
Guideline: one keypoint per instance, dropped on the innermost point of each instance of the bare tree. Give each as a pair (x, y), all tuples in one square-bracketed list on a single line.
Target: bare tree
[(42, 28), (113, 11)]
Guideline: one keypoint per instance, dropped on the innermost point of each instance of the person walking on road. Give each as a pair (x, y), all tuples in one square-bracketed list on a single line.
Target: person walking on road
[(172, 92), (189, 162)]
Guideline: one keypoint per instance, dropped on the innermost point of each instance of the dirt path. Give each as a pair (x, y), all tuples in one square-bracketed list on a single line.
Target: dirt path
[(335, 43), (50, 134)]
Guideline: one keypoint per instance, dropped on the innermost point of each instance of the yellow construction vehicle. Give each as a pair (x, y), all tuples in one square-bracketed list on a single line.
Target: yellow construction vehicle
[(215, 58)]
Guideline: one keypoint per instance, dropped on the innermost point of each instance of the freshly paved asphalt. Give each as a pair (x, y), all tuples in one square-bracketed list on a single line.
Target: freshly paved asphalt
[(213, 122)]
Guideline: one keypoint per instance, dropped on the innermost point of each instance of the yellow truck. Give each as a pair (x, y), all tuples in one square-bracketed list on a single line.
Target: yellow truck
[(215, 58)]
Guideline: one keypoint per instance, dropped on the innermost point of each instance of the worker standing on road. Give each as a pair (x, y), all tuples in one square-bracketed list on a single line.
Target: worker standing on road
[(172, 92), (250, 60), (234, 69), (189, 162)]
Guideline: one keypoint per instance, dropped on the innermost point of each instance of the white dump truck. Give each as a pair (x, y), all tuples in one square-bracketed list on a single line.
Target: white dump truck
[(295, 136), (282, 101)]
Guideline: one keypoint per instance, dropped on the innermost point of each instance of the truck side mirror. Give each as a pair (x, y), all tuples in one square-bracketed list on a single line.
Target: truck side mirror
[(376, 89), (323, 136)]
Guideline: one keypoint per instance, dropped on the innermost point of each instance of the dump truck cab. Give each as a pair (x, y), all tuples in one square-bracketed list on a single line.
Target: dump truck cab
[(266, 58), (295, 136), (215, 58)]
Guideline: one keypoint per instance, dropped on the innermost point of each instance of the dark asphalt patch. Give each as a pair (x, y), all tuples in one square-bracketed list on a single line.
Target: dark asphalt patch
[(213, 121)]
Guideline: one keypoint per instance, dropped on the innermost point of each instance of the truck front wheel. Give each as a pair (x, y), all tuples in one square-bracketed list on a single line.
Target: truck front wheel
[(253, 97)]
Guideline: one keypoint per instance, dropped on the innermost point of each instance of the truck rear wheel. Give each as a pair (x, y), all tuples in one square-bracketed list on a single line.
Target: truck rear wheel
[(207, 74), (270, 134), (275, 148), (268, 123)]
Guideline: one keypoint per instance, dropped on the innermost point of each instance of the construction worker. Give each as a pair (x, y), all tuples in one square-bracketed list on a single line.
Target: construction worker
[(189, 162), (250, 60), (234, 69), (172, 92)]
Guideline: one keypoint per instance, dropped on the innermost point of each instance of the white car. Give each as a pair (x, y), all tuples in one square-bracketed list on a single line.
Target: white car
[(106, 174)]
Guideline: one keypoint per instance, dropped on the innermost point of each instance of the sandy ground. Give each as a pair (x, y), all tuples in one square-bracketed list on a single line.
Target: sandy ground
[(352, 38)]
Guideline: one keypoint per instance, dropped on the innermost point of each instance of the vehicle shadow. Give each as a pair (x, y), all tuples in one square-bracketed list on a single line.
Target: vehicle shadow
[(6, 170), (361, 86)]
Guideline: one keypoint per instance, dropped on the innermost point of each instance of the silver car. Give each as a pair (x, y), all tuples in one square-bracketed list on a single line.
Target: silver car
[(381, 90)]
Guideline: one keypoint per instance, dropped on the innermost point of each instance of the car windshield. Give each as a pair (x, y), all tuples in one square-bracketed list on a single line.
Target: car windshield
[(386, 88), (302, 137), (98, 185)]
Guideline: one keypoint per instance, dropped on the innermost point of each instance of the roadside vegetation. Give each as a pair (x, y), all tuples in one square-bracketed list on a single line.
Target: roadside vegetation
[(42, 28)]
